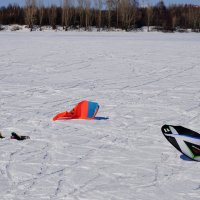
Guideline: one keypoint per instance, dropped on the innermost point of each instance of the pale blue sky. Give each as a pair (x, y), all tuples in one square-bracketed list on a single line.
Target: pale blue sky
[(21, 2)]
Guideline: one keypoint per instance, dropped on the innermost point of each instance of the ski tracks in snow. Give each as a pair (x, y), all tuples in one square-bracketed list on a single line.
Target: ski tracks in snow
[(141, 82)]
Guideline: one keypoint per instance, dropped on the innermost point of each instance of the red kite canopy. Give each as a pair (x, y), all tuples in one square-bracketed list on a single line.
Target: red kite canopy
[(83, 110)]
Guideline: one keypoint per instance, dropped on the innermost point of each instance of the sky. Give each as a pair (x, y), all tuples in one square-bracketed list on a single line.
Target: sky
[(167, 2)]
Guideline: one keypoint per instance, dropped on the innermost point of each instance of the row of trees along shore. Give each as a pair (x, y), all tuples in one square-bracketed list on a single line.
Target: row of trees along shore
[(102, 14)]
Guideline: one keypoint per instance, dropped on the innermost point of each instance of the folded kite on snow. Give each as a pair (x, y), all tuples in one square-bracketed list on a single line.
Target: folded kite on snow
[(83, 110)]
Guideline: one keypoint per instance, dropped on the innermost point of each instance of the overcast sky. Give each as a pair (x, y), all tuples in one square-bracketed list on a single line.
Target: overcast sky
[(21, 2)]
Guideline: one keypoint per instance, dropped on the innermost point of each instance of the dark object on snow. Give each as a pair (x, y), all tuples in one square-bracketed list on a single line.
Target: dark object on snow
[(1, 137), (18, 137), (184, 140)]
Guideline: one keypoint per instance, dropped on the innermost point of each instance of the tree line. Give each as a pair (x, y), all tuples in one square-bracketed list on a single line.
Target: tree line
[(102, 14)]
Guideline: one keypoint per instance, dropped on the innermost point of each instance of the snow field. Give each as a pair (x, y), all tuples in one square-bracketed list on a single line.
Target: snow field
[(140, 80)]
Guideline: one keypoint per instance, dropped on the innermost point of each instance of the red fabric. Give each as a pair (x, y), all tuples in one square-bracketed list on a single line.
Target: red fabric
[(80, 111)]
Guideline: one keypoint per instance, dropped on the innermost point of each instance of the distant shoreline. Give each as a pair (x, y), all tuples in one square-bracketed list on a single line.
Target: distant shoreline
[(24, 28)]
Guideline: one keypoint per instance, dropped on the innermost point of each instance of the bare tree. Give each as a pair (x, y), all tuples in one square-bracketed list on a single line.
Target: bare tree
[(109, 4), (173, 17), (41, 12), (87, 14), (30, 11), (117, 3), (52, 14), (195, 20), (128, 13), (149, 15), (134, 6), (66, 14), (99, 6), (81, 12)]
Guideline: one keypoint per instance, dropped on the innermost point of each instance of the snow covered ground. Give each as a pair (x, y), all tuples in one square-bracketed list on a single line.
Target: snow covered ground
[(140, 80)]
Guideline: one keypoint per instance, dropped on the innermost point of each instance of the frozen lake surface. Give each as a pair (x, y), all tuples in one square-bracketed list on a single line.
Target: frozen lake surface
[(141, 81)]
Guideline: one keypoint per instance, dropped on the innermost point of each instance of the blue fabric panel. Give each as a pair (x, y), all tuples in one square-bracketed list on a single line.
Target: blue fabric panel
[(92, 108)]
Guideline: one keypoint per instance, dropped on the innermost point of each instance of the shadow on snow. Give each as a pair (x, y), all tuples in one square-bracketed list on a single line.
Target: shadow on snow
[(184, 157), (101, 118)]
